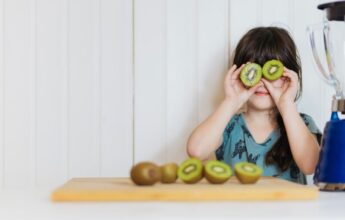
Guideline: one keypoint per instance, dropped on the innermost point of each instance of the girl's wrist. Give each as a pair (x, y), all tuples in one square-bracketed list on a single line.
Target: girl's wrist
[(287, 108), (231, 106)]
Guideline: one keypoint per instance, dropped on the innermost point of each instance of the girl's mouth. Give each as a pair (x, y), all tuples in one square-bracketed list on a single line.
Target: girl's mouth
[(261, 93)]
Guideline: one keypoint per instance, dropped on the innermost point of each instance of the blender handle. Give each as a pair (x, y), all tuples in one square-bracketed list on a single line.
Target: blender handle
[(328, 48), (316, 54), (333, 79), (329, 78)]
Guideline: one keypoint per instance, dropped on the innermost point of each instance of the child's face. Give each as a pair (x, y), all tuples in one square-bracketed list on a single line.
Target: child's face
[(262, 99)]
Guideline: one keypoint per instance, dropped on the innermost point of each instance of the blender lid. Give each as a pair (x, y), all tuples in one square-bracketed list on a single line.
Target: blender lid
[(335, 10)]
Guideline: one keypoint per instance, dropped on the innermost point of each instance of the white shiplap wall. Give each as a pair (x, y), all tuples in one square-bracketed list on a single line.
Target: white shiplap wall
[(89, 87)]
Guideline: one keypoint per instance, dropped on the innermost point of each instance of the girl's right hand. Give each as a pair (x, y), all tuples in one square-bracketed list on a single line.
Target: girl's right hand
[(235, 91)]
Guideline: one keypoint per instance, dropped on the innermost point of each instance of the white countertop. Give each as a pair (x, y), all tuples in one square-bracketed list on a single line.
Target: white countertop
[(15, 204)]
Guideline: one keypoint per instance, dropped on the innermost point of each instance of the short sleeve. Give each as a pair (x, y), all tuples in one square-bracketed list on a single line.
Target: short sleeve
[(226, 138), (309, 122), (220, 150)]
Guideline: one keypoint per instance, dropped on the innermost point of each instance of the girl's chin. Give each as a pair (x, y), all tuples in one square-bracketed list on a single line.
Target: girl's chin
[(262, 102)]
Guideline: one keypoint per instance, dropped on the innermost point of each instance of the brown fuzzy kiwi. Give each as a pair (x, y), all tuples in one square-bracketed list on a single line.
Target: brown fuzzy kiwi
[(169, 173), (145, 173)]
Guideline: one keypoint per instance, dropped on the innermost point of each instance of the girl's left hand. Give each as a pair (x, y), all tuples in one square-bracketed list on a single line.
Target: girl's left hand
[(285, 95)]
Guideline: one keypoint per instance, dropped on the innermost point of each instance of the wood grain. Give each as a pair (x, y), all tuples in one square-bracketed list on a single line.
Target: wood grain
[(122, 189)]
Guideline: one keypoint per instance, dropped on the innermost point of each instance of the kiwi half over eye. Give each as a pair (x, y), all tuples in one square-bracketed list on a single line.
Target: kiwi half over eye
[(190, 171), (273, 70), (251, 74), (247, 173), (217, 171)]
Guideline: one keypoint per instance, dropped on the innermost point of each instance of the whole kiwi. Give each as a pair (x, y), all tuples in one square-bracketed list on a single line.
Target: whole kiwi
[(145, 173), (169, 173)]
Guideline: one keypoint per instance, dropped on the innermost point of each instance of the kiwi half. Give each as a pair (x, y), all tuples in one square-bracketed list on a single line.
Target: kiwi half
[(217, 171), (169, 173), (272, 70), (247, 172), (251, 74), (145, 173), (190, 171)]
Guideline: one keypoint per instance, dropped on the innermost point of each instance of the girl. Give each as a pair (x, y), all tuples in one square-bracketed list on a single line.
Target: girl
[(270, 133)]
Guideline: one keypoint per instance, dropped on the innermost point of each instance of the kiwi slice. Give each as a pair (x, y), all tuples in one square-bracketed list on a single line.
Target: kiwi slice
[(190, 171), (272, 70), (251, 74), (247, 172), (169, 173), (145, 173), (217, 171)]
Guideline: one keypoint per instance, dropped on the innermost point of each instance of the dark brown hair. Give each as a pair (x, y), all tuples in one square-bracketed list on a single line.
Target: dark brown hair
[(260, 45)]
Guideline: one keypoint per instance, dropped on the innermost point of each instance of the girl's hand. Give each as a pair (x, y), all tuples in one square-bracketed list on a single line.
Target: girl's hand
[(284, 96), (235, 91)]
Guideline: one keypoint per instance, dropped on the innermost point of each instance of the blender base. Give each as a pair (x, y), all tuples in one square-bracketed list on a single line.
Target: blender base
[(331, 186)]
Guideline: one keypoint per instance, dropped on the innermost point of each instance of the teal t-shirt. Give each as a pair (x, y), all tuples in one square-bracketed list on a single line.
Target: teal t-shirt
[(239, 145)]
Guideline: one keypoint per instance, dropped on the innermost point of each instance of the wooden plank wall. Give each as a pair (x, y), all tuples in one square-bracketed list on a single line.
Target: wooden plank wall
[(87, 88)]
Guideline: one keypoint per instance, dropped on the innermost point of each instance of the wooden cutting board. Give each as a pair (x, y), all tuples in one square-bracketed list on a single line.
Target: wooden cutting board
[(122, 189)]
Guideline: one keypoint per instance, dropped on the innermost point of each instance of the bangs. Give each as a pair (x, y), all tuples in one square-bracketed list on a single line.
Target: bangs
[(262, 44)]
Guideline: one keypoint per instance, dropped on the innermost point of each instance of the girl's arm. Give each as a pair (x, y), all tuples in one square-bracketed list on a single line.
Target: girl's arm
[(303, 144), (208, 135)]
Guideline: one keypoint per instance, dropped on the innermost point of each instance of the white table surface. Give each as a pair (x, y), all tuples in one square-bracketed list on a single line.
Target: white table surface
[(21, 204)]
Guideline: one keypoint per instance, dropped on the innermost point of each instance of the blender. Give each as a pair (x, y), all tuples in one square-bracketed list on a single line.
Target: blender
[(330, 171)]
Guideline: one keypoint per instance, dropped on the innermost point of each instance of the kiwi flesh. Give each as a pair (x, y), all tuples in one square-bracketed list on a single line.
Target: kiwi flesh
[(247, 173), (251, 74), (217, 172), (190, 171), (145, 173), (272, 70), (169, 173)]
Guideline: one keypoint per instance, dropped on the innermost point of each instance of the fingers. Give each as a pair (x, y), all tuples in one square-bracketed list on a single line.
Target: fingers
[(291, 87), (268, 85), (231, 70), (227, 79), (254, 88), (291, 82), (237, 72), (285, 85), (291, 75)]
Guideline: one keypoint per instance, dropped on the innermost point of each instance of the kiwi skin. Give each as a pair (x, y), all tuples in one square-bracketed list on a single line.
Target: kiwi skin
[(187, 163), (212, 177), (169, 173), (145, 173), (246, 177), (244, 73)]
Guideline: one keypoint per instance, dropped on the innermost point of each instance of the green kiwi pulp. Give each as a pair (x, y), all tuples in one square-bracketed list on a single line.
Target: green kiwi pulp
[(190, 171), (145, 173), (247, 173), (273, 70), (169, 173), (217, 171), (251, 74)]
